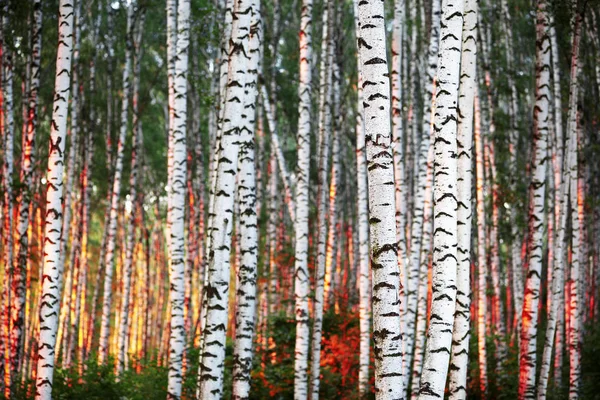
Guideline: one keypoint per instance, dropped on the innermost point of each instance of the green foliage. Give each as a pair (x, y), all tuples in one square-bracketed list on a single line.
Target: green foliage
[(100, 382)]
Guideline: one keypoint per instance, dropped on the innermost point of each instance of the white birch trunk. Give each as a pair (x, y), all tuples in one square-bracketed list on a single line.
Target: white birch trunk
[(576, 205), (26, 179), (214, 160), (445, 203), (421, 322), (74, 138), (109, 261), (363, 273), (559, 252), (513, 110), (373, 70), (413, 270), (131, 205), (171, 10), (468, 87), (398, 52), (301, 280), (217, 280), (8, 167), (246, 289), (51, 275), (529, 328), (323, 190), (574, 284), (176, 210)]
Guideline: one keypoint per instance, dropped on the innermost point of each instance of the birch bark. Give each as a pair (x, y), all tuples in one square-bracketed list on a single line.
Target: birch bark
[(109, 261), (373, 70), (301, 280), (26, 178), (323, 190), (529, 328), (217, 282), (176, 210), (132, 204), (576, 204), (7, 176), (445, 202), (413, 270), (248, 246), (364, 273), (51, 275), (464, 139)]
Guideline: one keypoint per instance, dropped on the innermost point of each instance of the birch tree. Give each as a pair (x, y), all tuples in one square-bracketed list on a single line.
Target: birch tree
[(334, 187), (133, 203), (364, 274), (373, 70), (51, 275), (176, 210), (323, 190), (398, 137), (246, 286), (413, 270), (577, 222), (7, 210), (445, 202), (561, 199), (217, 282), (301, 280), (109, 261), (464, 140), (26, 195), (529, 329)]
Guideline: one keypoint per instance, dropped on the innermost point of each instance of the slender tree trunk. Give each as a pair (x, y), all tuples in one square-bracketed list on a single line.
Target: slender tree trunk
[(176, 206), (132, 203), (420, 186), (513, 110), (445, 202), (73, 152), (421, 324), (51, 275), (529, 329), (214, 160), (274, 285), (171, 11), (301, 280), (85, 222), (323, 190), (364, 273), (554, 330), (398, 52), (373, 70), (576, 202), (109, 261), (482, 270), (248, 246), (331, 248), (218, 273), (464, 139), (28, 160), (110, 54), (7, 175)]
